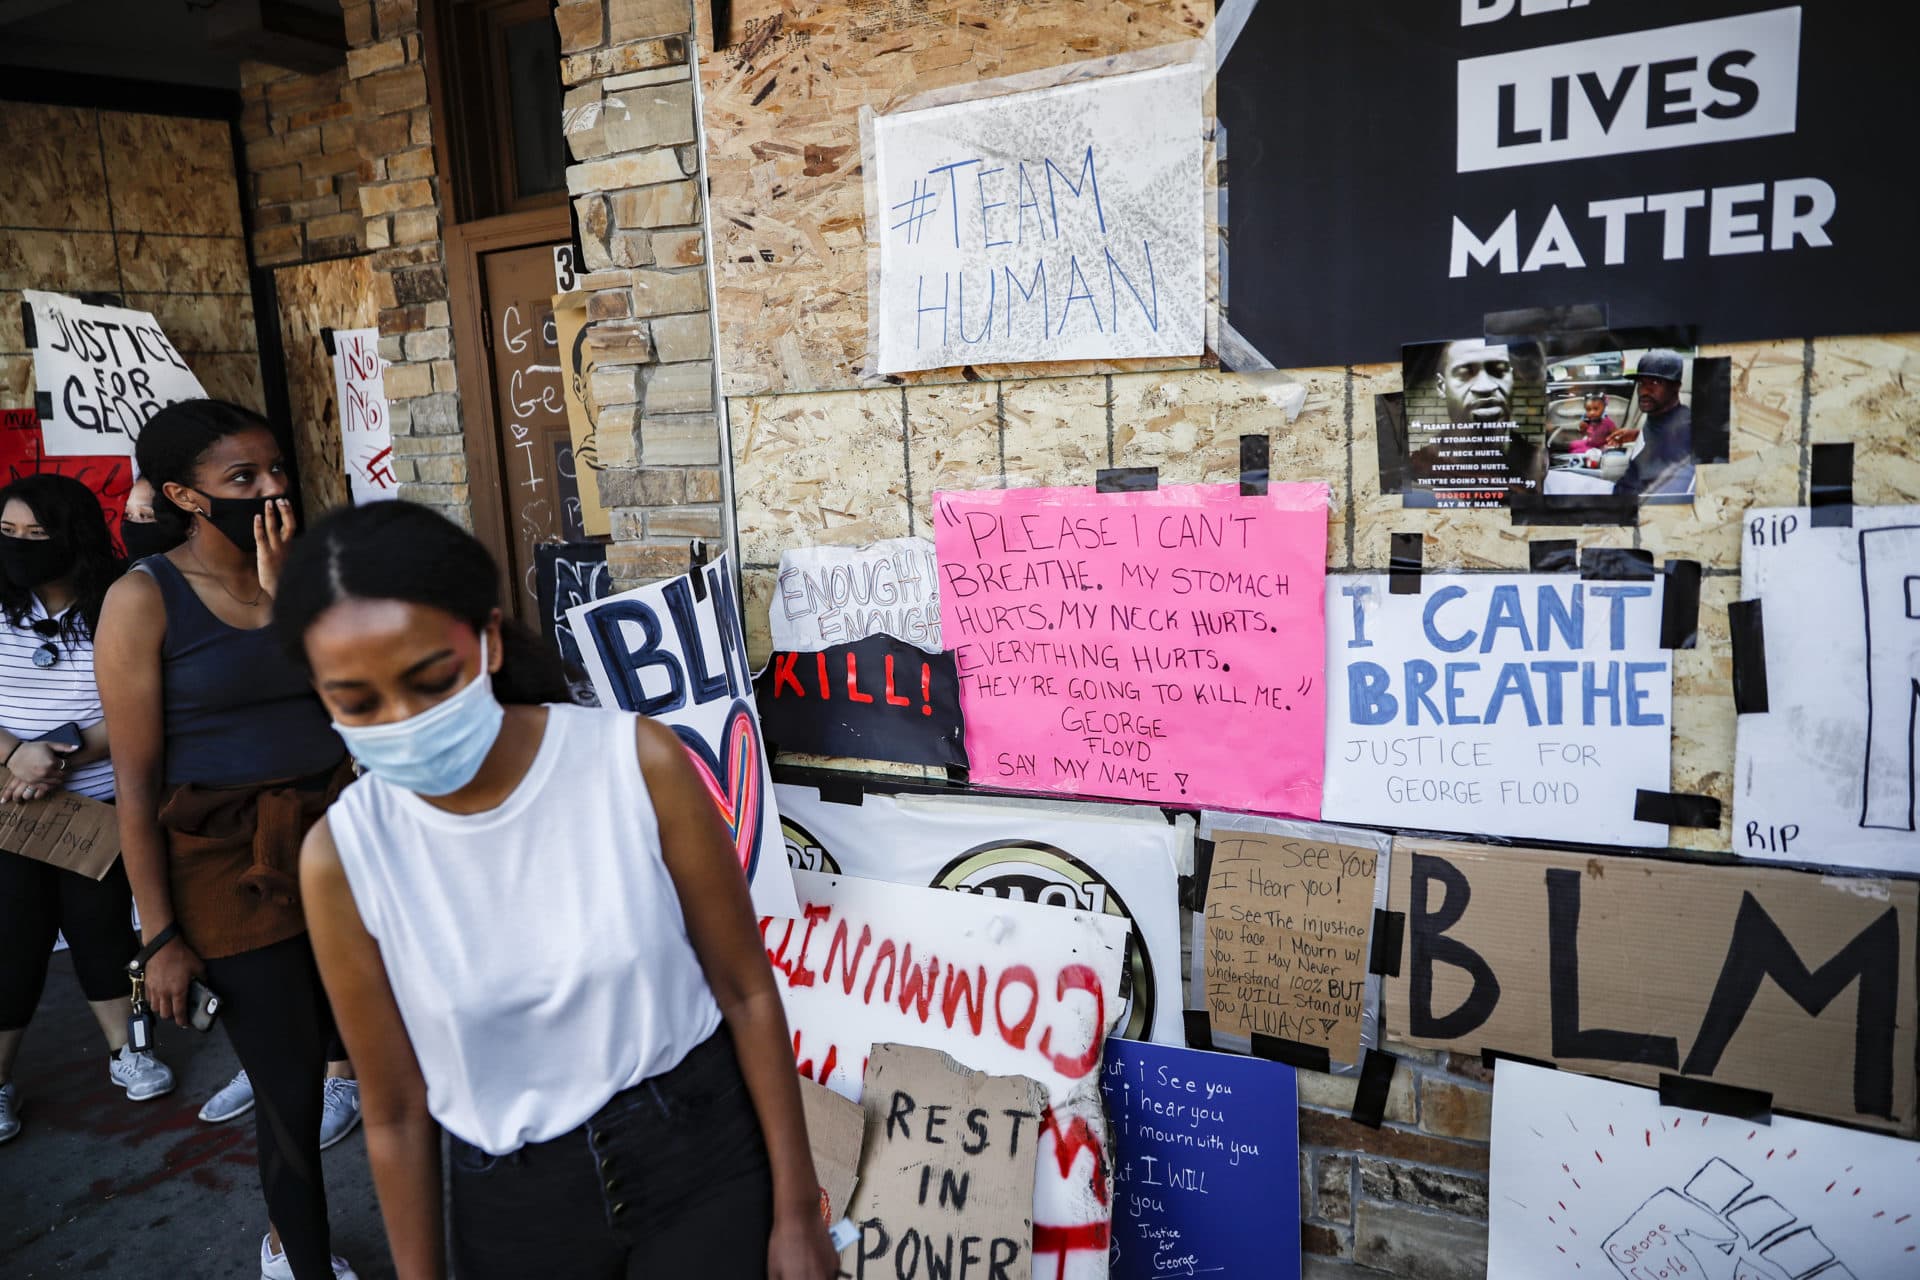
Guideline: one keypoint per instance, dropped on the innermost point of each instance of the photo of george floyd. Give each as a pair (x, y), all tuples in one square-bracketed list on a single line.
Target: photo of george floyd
[(1475, 421)]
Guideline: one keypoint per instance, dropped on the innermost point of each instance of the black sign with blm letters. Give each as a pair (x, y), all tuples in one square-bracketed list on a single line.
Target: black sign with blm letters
[(1418, 167)]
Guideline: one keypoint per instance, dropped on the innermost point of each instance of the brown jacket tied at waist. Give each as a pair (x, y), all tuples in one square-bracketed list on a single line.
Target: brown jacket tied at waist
[(233, 859)]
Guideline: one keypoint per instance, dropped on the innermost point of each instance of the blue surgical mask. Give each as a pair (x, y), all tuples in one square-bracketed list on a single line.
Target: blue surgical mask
[(438, 751)]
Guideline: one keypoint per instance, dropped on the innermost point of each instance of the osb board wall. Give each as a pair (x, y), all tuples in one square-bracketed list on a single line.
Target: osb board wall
[(847, 467), (311, 297), (781, 109), (143, 206)]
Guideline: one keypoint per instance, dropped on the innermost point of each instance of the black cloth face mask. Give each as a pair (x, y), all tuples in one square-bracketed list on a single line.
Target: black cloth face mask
[(233, 517), (148, 539), (34, 562)]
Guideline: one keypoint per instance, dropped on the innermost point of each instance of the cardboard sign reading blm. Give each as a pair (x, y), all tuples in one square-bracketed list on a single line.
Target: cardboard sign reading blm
[(1788, 982), (674, 651), (946, 1179), (876, 699), (1005, 987), (1206, 1164), (100, 373), (1288, 922), (366, 428), (1163, 645), (1829, 772), (1055, 224), (1525, 705), (825, 596), (1601, 1177)]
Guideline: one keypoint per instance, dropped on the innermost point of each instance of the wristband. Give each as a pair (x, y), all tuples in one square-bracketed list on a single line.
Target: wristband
[(139, 962), (17, 744)]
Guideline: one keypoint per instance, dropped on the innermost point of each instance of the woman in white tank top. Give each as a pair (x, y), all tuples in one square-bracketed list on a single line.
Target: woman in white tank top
[(535, 937)]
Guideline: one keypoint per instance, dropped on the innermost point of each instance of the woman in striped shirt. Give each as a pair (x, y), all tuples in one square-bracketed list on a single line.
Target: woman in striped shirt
[(56, 563)]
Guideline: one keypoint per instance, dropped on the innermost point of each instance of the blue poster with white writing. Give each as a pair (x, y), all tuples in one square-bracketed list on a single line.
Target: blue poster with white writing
[(1206, 1163)]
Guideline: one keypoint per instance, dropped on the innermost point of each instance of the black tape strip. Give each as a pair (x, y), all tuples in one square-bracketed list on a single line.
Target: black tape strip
[(1253, 466), (1530, 324), (1749, 657), (1307, 1057), (835, 792), (1712, 407), (1389, 933), (101, 298), (1561, 510), (1193, 888), (1831, 494), (1199, 1028), (1616, 564), (958, 774), (1126, 480), (326, 338), (1676, 809), (1404, 564), (1390, 440), (1376, 1080), (1680, 605), (1490, 1056), (1554, 555), (27, 326), (43, 405), (1721, 1099)]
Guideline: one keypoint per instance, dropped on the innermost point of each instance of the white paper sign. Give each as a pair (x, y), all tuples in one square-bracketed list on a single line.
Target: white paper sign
[(1008, 988), (1054, 224), (1828, 774), (836, 595), (1523, 705), (366, 429), (101, 372), (1123, 862), (1597, 1179), (676, 653)]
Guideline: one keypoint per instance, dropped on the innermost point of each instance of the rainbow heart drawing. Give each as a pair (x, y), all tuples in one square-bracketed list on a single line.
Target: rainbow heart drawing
[(734, 780)]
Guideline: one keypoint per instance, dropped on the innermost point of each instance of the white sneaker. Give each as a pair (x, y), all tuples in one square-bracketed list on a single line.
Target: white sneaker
[(274, 1266), (234, 1099), (9, 1111), (141, 1074), (339, 1109)]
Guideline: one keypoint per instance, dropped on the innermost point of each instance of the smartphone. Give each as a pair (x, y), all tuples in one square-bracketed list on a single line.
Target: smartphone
[(66, 735), (203, 1003)]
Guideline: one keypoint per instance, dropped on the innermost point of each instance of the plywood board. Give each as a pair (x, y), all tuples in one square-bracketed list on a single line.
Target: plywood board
[(337, 294), (782, 113)]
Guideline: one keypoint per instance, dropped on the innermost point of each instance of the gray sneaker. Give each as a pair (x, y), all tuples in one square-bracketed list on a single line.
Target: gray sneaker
[(141, 1074), (9, 1112), (234, 1099), (339, 1109)]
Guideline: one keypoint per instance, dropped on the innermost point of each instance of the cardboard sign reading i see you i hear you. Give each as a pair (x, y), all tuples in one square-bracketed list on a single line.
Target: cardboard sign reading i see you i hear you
[(1165, 645), (674, 651)]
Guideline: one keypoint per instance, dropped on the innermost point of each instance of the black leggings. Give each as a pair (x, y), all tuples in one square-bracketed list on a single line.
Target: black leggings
[(38, 901), (277, 1017)]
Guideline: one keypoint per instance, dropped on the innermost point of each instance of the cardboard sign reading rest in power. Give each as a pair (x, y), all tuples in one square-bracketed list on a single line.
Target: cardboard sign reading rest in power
[(1791, 983)]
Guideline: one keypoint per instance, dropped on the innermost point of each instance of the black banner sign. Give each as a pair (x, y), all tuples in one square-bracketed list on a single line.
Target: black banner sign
[(876, 699), (1416, 167), (567, 575)]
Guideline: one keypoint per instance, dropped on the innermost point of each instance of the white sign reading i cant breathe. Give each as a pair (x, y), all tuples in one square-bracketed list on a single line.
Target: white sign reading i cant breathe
[(1054, 224)]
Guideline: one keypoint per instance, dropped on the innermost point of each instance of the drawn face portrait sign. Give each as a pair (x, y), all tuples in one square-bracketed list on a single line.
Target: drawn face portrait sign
[(1524, 705), (1120, 863), (99, 373), (1599, 1177), (674, 651), (1828, 682)]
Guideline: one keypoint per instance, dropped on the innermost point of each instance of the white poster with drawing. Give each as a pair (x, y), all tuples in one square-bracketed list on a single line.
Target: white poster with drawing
[(366, 430), (99, 373), (1597, 1179), (1827, 773), (1065, 223), (826, 596), (1124, 861), (1533, 706)]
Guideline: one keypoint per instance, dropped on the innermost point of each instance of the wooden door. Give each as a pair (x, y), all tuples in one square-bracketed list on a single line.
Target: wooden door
[(529, 409)]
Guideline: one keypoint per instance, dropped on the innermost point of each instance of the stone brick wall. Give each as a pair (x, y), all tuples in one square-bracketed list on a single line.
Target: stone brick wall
[(636, 184), (303, 165)]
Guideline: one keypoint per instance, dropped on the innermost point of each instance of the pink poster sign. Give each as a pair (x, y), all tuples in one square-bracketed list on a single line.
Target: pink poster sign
[(1164, 645)]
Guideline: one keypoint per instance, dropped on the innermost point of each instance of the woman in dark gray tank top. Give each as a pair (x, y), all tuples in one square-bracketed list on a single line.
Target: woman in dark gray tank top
[(223, 757)]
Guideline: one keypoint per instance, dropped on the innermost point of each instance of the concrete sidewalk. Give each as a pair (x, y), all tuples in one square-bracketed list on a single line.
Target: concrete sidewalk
[(99, 1186)]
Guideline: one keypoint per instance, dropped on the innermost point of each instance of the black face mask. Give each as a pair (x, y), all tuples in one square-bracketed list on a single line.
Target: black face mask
[(149, 539), (233, 517), (34, 562)]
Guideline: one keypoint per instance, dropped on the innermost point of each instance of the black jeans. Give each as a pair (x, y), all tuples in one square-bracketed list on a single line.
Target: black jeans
[(37, 901), (669, 1179), (277, 1017)]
